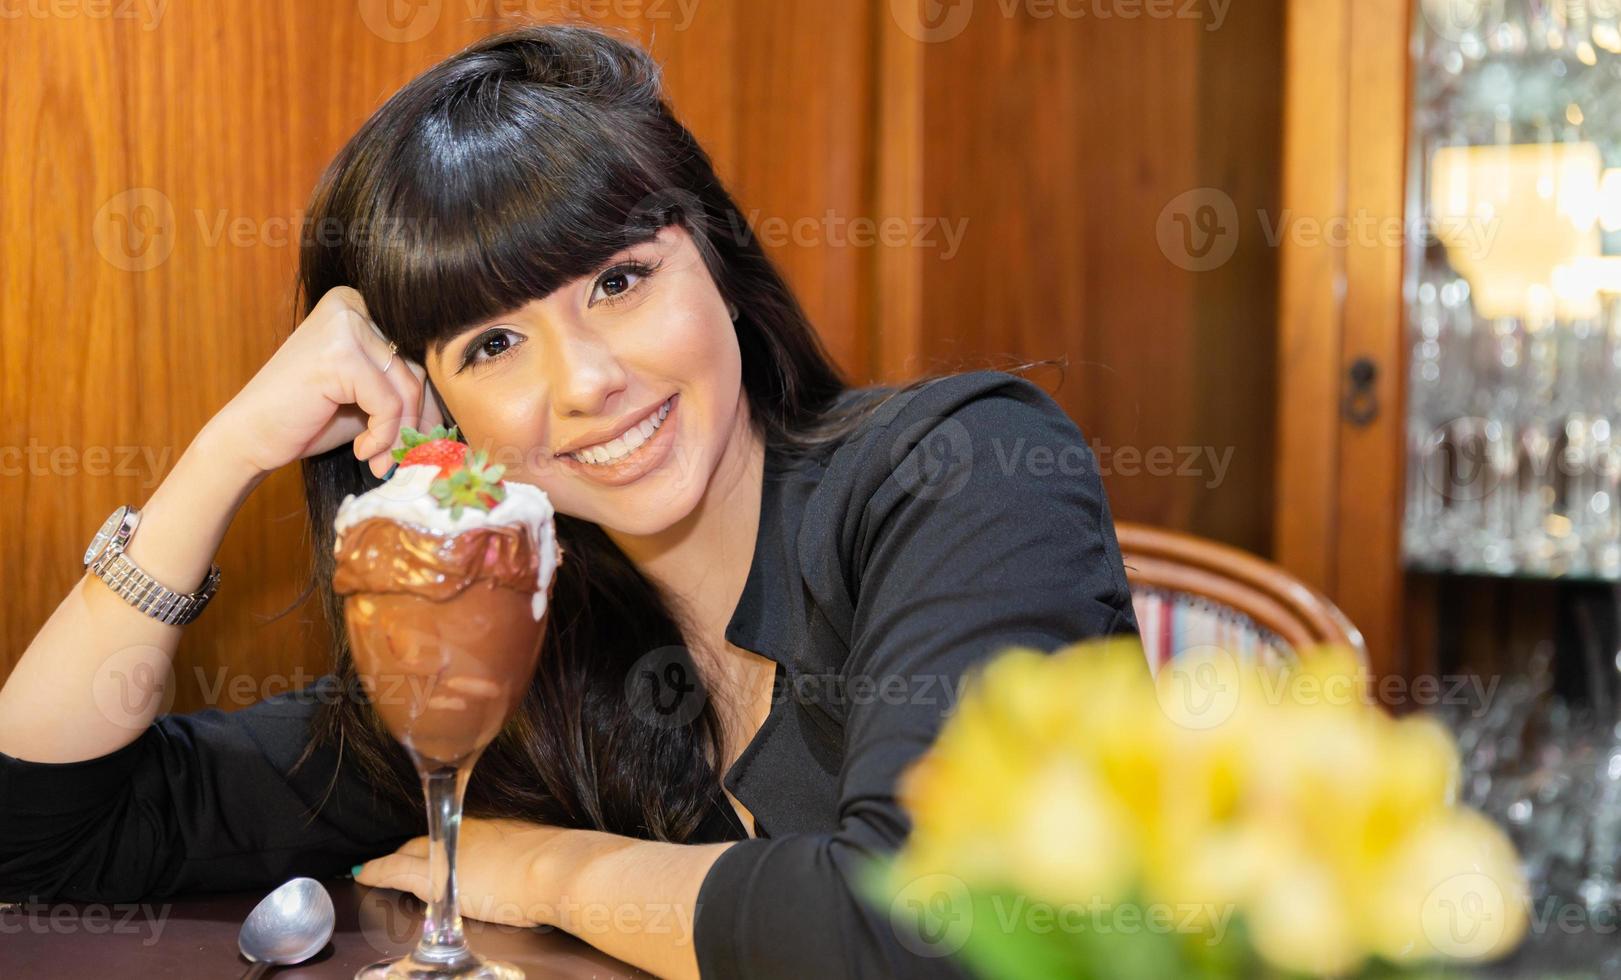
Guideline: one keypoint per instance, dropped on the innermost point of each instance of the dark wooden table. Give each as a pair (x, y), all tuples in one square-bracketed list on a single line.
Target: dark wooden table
[(196, 937)]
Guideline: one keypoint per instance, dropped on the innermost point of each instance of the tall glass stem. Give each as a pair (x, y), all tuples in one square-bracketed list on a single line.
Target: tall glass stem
[(442, 942)]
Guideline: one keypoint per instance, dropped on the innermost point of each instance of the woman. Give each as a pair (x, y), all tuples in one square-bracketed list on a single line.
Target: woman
[(762, 618)]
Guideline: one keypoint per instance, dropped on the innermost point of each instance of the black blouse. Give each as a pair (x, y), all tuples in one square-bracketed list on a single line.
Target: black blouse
[(962, 517)]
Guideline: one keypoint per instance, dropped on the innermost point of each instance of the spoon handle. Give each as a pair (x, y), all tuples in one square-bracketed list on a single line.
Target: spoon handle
[(256, 970)]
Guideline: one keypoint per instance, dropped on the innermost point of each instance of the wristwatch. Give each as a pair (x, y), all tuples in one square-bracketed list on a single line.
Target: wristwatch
[(106, 559)]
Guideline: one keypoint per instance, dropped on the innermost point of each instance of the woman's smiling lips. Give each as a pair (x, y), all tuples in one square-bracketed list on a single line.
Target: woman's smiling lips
[(639, 461)]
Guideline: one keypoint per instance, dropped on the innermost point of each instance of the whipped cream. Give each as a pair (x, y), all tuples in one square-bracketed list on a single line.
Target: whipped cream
[(404, 497)]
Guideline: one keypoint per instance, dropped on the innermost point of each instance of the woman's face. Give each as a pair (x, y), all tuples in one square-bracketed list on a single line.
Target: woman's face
[(568, 391)]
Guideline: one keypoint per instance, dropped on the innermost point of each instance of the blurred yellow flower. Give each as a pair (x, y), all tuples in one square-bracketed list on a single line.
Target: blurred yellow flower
[(1286, 795)]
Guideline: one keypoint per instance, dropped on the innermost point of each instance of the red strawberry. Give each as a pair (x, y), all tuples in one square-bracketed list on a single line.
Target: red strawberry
[(440, 448), (465, 480), (443, 453)]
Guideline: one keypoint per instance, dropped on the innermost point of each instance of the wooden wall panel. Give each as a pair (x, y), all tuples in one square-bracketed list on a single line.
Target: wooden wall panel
[(1067, 144), (1340, 484)]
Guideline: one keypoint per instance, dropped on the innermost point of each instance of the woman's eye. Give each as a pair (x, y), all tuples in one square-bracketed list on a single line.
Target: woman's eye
[(489, 347), (620, 281)]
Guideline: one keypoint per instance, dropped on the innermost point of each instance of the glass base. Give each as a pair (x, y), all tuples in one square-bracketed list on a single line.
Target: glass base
[(411, 968)]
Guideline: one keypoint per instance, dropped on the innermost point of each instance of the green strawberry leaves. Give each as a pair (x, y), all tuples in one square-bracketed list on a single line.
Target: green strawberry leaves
[(476, 484)]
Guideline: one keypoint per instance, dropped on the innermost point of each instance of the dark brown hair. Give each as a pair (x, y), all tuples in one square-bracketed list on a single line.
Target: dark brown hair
[(520, 163)]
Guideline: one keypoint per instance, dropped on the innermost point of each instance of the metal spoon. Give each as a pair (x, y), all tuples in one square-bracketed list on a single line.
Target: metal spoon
[(288, 926)]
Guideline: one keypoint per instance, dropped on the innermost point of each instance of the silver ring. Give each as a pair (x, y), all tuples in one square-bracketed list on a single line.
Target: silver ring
[(392, 349)]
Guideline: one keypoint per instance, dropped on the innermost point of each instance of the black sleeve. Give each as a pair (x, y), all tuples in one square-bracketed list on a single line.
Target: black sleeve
[(199, 802), (968, 544)]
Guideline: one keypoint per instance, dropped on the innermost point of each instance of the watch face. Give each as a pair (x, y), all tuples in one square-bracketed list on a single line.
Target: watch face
[(104, 537)]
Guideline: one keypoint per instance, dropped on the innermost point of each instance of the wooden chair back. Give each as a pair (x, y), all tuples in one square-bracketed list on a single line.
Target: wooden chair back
[(1190, 591)]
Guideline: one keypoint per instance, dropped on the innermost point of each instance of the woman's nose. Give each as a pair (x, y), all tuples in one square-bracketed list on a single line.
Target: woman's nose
[(585, 377)]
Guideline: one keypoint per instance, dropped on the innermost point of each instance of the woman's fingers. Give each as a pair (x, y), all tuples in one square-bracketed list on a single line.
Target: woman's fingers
[(405, 869), (408, 874), (389, 398), (403, 375), (367, 387)]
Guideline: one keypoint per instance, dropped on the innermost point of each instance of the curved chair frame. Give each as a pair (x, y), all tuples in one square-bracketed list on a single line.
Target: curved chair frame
[(1175, 562)]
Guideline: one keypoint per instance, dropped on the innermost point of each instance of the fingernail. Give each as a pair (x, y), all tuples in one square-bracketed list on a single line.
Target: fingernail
[(391, 470), (354, 872)]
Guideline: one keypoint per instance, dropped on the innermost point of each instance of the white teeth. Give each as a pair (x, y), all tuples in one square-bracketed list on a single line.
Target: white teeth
[(621, 446)]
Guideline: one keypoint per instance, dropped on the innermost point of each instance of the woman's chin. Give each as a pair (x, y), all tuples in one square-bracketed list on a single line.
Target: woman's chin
[(652, 506)]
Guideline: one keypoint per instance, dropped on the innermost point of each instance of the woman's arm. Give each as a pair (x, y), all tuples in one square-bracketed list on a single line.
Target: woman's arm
[(90, 682), (205, 801), (636, 900), (92, 679)]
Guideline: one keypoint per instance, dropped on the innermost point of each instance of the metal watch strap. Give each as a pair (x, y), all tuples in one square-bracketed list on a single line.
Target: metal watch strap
[(151, 597)]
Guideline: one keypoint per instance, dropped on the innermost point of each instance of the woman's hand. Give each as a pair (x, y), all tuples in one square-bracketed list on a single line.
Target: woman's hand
[(636, 900), (324, 387), (497, 863)]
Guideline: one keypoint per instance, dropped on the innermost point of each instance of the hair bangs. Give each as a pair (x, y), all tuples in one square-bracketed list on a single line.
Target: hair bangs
[(482, 217)]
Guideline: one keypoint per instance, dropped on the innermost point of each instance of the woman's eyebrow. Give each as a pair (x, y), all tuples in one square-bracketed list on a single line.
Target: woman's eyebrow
[(437, 348)]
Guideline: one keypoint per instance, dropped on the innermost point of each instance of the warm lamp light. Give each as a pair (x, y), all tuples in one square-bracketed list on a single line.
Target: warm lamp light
[(1521, 224)]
